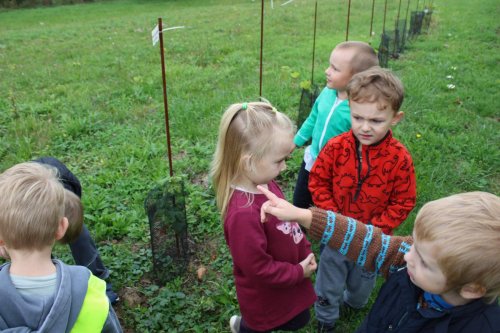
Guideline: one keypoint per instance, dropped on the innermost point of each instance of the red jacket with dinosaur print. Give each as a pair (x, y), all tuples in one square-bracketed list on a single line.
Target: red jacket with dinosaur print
[(377, 186)]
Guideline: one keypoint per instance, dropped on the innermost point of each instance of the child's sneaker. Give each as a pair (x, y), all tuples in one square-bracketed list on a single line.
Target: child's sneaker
[(234, 324), (112, 296)]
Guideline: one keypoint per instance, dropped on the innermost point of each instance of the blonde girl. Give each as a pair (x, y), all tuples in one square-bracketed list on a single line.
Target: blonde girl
[(272, 262)]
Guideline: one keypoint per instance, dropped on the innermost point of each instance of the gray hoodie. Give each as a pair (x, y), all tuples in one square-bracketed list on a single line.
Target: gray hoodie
[(20, 314)]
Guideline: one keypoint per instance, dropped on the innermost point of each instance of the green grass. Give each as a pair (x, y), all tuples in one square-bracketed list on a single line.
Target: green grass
[(83, 83)]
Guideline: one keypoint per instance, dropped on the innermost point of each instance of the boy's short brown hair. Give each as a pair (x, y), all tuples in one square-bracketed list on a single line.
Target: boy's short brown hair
[(377, 85), (364, 55), (466, 229), (31, 206), (73, 211)]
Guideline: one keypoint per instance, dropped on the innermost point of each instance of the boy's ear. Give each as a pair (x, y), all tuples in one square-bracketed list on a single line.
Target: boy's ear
[(472, 291), (3, 251), (61, 229), (397, 117)]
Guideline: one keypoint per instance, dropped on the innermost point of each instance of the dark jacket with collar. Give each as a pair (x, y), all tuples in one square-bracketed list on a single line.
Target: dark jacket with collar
[(395, 310)]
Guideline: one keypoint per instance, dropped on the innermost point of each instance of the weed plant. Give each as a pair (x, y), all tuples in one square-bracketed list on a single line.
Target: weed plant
[(83, 83)]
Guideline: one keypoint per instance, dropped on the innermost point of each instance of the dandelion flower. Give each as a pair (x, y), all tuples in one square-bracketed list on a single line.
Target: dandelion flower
[(418, 135)]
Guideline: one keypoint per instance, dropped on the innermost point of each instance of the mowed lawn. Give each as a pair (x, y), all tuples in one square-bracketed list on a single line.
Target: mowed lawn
[(83, 83)]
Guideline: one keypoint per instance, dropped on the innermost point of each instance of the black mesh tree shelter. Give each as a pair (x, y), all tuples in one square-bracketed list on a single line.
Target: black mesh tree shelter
[(426, 20), (307, 99), (400, 36), (399, 33), (420, 22), (165, 208), (416, 23), (392, 42), (402, 25), (383, 50)]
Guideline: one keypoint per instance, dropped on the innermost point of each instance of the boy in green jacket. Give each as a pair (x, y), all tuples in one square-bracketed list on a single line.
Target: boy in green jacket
[(39, 293), (330, 115)]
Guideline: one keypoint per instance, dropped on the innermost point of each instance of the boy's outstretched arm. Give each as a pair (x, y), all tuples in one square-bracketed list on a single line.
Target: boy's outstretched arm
[(364, 244), (283, 210)]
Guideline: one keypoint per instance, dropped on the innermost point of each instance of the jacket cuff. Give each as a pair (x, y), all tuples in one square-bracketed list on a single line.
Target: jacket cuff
[(318, 223), (299, 140)]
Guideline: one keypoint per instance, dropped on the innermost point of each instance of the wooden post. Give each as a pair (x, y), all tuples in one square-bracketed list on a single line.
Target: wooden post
[(165, 100), (261, 44)]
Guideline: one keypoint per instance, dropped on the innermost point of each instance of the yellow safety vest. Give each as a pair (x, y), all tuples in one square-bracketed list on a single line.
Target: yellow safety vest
[(95, 308)]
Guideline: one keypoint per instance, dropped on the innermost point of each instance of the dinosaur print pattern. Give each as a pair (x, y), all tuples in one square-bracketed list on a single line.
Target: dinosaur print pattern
[(376, 186)]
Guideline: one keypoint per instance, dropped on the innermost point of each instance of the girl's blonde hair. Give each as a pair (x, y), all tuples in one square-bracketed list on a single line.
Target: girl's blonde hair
[(245, 129), (466, 229)]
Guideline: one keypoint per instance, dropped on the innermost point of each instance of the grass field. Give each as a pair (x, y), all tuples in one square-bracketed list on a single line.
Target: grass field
[(83, 83)]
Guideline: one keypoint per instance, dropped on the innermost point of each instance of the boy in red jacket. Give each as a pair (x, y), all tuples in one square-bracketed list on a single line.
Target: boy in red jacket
[(365, 174)]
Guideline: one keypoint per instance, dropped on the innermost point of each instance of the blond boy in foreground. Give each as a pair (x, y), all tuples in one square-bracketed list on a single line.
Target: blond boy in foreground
[(38, 293), (446, 278)]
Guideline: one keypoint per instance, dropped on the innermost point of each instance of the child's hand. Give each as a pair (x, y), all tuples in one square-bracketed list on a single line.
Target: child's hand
[(309, 265), (3, 253), (282, 209)]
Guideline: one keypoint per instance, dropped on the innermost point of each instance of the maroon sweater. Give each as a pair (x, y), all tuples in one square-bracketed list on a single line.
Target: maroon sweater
[(376, 187), (270, 283)]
